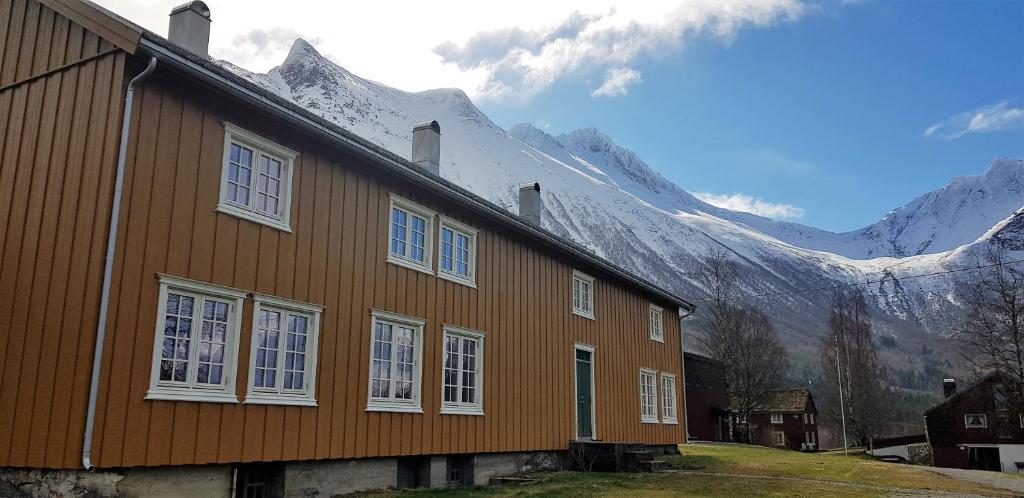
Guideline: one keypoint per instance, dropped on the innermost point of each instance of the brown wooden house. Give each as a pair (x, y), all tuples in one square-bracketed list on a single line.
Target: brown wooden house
[(212, 289), (787, 419), (978, 427)]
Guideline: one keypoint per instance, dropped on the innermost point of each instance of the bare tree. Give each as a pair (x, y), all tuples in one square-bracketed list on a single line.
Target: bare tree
[(992, 331), (741, 337), (849, 355)]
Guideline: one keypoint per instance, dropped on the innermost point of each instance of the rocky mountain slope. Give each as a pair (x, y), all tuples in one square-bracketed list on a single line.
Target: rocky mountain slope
[(606, 198)]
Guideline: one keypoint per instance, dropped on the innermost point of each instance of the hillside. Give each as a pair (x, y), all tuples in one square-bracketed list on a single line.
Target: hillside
[(606, 198)]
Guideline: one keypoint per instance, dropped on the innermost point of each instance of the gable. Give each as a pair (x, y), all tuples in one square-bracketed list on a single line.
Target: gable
[(40, 39)]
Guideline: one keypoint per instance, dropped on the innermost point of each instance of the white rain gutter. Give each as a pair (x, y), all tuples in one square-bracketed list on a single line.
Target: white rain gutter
[(108, 266)]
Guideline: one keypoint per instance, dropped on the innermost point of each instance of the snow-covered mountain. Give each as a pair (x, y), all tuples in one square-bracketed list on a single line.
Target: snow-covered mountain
[(606, 198)]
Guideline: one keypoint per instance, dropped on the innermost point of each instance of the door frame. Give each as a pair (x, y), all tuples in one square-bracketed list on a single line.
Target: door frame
[(579, 346)]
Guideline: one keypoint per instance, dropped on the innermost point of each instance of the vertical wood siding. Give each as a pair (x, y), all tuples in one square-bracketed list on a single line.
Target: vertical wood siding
[(337, 257), (58, 146)]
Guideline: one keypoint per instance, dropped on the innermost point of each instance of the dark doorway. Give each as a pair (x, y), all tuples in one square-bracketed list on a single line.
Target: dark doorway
[(584, 393), (983, 459)]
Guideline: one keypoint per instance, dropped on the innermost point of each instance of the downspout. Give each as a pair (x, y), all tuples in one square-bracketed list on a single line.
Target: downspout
[(682, 364), (108, 266)]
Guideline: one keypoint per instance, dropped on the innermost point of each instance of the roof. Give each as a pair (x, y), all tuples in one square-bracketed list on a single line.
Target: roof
[(785, 400), (208, 71), (968, 388), (124, 35)]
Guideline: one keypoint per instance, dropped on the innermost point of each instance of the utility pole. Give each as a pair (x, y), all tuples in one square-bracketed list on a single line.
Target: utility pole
[(842, 405)]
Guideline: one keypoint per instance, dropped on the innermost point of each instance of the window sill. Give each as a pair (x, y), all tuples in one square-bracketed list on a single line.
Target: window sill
[(158, 394), (670, 422), (458, 410), (258, 398), (394, 408), (649, 421), (425, 268), (459, 280), (658, 339), (584, 315), (253, 217)]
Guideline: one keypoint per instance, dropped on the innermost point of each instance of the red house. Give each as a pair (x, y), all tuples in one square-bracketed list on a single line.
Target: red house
[(787, 419)]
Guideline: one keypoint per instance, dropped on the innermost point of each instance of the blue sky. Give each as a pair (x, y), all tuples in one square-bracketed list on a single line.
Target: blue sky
[(827, 113)]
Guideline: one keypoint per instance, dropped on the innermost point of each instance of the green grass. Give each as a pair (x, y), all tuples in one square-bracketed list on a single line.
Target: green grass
[(830, 475)]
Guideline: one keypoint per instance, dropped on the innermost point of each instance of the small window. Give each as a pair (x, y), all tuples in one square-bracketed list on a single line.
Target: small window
[(780, 438), (812, 417), (256, 179), (811, 439), (196, 341), (396, 350), (656, 329), (776, 418), (1021, 420), (282, 359), (999, 396), (582, 294), (462, 372), (668, 399), (410, 235), (648, 397), (457, 252), (975, 421)]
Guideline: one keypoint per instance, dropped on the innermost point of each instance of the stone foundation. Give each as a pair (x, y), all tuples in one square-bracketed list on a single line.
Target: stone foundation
[(308, 479)]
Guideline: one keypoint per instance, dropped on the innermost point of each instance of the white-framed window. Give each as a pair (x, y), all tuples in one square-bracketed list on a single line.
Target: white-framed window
[(668, 399), (780, 438), (975, 421), (776, 418), (196, 345), (410, 235), (808, 418), (582, 294), (462, 367), (396, 354), (457, 252), (256, 178), (1021, 417), (657, 333), (283, 355), (811, 439), (648, 396)]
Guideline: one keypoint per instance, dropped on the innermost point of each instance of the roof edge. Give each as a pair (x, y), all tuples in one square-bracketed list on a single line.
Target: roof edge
[(124, 35), (161, 49)]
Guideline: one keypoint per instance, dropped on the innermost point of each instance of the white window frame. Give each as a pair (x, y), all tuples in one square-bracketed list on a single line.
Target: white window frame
[(653, 397), (189, 390), (776, 418), (460, 408), (810, 439), (780, 438), (579, 310), (665, 419), (428, 215), (277, 395), (657, 325), (381, 405), (456, 228), (260, 145), (984, 421)]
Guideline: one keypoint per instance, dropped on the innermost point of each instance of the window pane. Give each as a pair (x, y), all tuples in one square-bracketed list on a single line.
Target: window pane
[(239, 174), (462, 255), (268, 332), (177, 338), (399, 227), (268, 181), (447, 255), (295, 358), (213, 334), (418, 239)]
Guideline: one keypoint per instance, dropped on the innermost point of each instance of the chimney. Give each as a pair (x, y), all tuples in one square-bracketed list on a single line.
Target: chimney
[(948, 387), (530, 204), (190, 27), (426, 146)]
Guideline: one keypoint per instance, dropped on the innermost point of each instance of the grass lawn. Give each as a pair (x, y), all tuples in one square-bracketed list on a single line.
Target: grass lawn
[(704, 471)]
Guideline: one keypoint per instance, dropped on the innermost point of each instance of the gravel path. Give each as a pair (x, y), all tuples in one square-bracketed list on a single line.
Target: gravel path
[(894, 492), (986, 478)]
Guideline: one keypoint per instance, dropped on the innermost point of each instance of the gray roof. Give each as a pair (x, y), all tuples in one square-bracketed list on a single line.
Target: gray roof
[(217, 76)]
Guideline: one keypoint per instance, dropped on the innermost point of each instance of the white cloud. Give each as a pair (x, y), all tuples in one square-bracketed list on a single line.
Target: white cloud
[(984, 119), (508, 49), (751, 204), (616, 82), (519, 62)]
